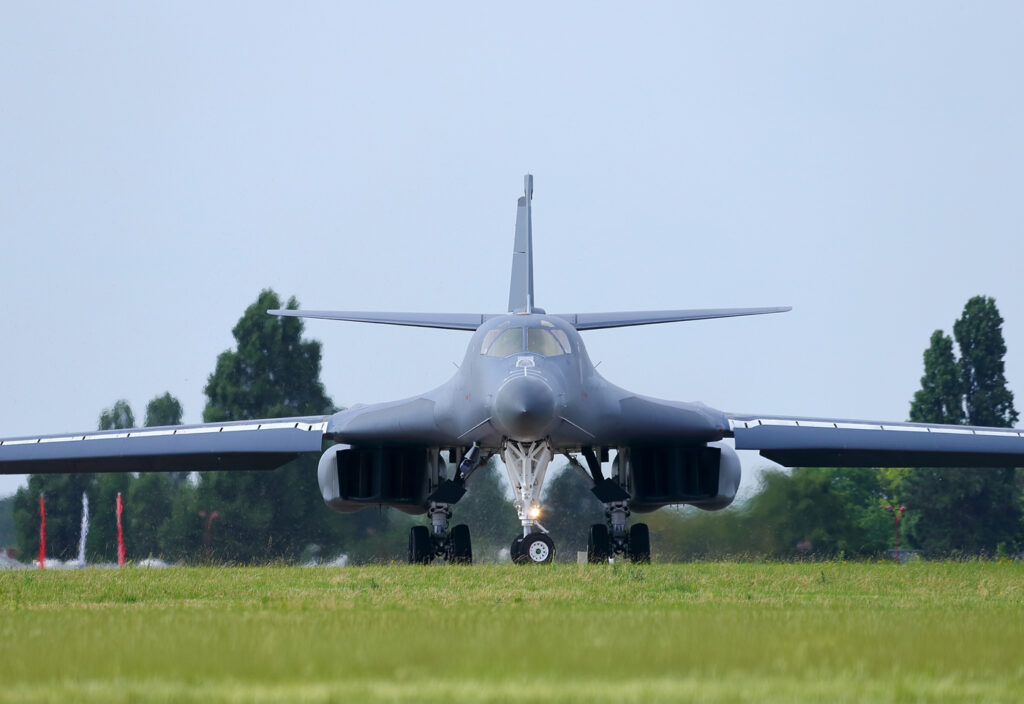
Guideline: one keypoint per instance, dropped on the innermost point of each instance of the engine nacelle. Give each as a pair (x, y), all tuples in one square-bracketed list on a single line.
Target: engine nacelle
[(352, 478), (705, 476)]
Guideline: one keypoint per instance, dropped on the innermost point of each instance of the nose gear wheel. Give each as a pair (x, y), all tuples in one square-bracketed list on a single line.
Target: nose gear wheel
[(536, 549)]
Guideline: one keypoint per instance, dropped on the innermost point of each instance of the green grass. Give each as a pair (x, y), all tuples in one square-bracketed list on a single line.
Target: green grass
[(718, 632)]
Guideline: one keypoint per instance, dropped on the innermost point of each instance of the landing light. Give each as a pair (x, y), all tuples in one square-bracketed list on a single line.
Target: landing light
[(535, 513)]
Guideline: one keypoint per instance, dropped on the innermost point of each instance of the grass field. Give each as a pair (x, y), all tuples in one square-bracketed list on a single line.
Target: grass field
[(718, 632)]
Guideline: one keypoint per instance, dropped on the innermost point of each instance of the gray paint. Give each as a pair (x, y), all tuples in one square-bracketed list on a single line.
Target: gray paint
[(447, 321), (520, 290), (600, 321), (522, 397), (848, 443), (213, 446)]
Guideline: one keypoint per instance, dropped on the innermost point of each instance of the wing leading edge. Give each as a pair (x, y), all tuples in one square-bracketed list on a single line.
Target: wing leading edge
[(814, 442), (601, 321), (256, 444), (445, 321), (580, 321)]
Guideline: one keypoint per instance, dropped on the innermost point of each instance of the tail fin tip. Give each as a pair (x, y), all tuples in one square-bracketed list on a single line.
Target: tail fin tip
[(520, 290)]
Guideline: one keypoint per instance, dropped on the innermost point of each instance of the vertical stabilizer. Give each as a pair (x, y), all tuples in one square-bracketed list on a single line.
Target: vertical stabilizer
[(520, 290)]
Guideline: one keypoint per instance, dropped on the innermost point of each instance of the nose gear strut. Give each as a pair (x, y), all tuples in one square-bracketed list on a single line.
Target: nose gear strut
[(527, 465)]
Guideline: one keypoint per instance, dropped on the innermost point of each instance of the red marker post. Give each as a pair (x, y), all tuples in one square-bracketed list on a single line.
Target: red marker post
[(42, 533), (120, 532)]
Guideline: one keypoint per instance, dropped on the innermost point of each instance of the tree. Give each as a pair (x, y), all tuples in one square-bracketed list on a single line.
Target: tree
[(569, 509), (488, 512), (166, 410), (147, 508), (962, 510), (148, 504), (680, 533), (63, 494), (818, 511), (7, 538), (117, 416), (101, 544), (163, 410), (979, 334), (941, 397), (965, 509), (272, 372), (181, 535)]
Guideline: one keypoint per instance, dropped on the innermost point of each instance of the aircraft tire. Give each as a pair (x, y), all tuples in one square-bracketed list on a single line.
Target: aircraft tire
[(537, 549), (421, 547), (640, 544), (599, 545), (462, 546), (516, 550)]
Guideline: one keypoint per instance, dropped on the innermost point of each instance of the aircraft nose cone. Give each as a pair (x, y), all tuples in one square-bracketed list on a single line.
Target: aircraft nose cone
[(525, 407)]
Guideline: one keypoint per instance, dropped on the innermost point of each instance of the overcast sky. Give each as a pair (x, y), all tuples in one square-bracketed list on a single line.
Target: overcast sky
[(160, 164)]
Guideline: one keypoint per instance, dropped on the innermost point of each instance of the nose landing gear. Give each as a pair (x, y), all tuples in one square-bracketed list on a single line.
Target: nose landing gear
[(527, 464)]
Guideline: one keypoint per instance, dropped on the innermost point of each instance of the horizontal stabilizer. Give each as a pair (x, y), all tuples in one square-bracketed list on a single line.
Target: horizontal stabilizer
[(446, 321), (598, 321)]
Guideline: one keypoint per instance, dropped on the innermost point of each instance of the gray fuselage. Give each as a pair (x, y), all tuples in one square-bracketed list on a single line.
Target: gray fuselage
[(528, 377)]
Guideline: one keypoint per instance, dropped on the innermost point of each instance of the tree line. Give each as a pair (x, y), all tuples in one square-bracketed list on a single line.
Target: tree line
[(830, 512), (243, 517), (217, 516)]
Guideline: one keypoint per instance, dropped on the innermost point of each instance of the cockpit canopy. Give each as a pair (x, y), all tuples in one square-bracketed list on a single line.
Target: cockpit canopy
[(544, 339)]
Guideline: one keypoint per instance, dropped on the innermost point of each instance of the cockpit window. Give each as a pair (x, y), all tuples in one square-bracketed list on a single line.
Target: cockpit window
[(563, 340), (550, 343), (502, 343), (547, 341)]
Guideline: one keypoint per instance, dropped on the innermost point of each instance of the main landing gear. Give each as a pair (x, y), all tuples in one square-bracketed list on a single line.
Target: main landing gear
[(611, 538), (456, 546), (437, 541), (636, 545), (527, 465)]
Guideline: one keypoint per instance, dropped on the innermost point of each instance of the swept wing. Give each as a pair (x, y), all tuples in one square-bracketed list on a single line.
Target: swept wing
[(827, 442), (255, 444)]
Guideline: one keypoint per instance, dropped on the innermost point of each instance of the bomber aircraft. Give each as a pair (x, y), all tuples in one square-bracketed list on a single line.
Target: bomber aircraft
[(526, 392)]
